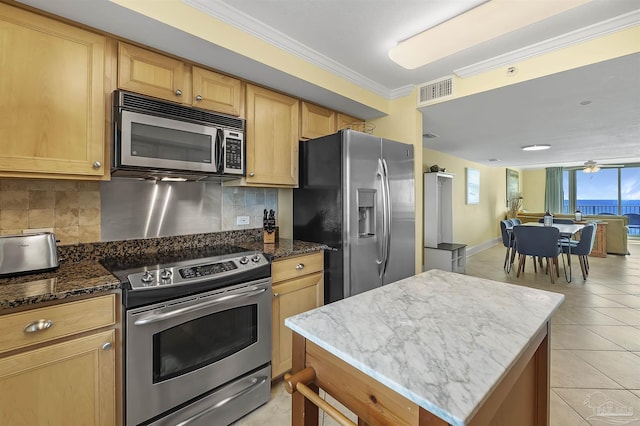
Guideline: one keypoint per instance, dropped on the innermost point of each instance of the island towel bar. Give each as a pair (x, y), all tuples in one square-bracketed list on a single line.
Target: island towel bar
[(298, 382)]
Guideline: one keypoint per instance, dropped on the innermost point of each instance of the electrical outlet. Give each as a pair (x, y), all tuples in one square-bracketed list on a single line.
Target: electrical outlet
[(242, 220)]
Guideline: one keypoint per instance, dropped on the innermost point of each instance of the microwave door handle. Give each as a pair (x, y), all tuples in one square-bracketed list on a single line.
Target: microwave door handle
[(220, 150)]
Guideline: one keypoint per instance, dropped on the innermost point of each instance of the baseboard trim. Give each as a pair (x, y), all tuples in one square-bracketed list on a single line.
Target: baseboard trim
[(483, 246)]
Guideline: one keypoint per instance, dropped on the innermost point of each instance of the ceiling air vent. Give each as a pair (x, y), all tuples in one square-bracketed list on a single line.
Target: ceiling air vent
[(435, 90)]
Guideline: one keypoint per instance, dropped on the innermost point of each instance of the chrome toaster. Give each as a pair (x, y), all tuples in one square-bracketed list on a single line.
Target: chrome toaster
[(22, 254)]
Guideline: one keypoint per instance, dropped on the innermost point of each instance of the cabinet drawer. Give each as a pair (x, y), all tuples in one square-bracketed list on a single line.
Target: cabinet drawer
[(66, 319), (292, 267)]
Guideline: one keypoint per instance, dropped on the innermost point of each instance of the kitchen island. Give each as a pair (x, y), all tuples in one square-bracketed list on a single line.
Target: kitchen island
[(434, 349)]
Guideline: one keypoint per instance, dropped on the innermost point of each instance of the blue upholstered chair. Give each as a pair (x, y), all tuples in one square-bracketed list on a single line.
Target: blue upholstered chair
[(509, 242), (541, 242), (581, 248), (515, 221), (634, 223)]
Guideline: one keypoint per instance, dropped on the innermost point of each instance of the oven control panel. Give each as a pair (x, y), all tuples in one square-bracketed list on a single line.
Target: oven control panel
[(195, 271), (204, 270)]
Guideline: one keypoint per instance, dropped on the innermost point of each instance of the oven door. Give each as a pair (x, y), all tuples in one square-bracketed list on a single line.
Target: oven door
[(178, 350), (154, 142)]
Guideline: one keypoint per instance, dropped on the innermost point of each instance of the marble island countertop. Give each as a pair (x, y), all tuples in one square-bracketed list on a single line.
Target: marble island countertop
[(81, 271), (440, 339)]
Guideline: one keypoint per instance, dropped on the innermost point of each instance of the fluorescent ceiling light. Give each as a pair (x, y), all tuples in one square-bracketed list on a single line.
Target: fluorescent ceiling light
[(483, 23), (536, 147)]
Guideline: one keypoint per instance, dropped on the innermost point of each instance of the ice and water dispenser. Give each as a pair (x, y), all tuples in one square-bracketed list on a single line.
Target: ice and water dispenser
[(366, 213)]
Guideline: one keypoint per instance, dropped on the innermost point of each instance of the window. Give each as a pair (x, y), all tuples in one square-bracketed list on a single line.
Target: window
[(609, 191)]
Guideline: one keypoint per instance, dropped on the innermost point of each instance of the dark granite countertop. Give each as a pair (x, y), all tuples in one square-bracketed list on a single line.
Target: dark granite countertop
[(82, 273), (70, 279)]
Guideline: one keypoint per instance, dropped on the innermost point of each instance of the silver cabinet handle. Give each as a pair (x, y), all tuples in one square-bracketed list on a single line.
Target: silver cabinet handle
[(97, 164), (300, 266), (198, 98), (38, 326), (252, 174), (276, 294), (106, 346), (178, 92)]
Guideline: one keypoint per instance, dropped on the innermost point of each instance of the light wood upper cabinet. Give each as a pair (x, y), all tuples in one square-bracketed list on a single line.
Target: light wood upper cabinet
[(343, 121), (52, 87), (297, 287), (69, 380), (150, 73), (316, 121), (272, 138), (216, 92)]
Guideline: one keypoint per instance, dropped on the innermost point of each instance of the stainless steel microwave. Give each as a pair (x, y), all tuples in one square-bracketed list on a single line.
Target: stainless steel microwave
[(164, 140)]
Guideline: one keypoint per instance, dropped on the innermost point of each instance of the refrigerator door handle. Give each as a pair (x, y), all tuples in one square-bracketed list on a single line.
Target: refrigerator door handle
[(381, 241), (387, 217)]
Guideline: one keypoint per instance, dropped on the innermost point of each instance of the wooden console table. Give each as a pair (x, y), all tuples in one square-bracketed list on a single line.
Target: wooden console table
[(435, 349), (600, 244)]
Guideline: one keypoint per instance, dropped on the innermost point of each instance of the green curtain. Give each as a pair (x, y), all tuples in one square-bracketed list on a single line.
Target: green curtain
[(553, 197)]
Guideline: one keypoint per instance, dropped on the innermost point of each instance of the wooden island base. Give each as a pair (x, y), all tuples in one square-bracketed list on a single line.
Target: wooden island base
[(520, 397)]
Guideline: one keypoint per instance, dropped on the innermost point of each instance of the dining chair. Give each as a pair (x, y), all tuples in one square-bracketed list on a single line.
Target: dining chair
[(563, 221), (541, 242), (509, 242), (582, 248)]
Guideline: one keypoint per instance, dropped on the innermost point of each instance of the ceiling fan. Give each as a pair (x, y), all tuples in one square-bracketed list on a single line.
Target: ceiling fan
[(592, 166)]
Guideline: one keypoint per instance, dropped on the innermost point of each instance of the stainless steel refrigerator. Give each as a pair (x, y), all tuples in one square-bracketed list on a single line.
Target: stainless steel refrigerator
[(356, 195)]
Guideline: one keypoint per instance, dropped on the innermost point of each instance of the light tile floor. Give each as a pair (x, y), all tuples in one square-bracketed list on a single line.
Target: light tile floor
[(595, 342)]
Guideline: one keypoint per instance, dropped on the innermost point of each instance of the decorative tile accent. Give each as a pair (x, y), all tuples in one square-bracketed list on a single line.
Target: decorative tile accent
[(65, 206)]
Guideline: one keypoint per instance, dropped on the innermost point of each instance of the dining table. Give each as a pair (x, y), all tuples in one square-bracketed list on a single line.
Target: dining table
[(567, 231)]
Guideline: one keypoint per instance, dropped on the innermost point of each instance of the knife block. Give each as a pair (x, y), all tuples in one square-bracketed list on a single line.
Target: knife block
[(270, 237)]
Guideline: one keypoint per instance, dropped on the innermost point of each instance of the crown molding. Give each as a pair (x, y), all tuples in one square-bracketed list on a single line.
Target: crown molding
[(571, 38), (234, 17)]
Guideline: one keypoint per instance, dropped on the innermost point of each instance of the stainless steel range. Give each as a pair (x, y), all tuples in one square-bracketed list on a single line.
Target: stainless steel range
[(197, 335)]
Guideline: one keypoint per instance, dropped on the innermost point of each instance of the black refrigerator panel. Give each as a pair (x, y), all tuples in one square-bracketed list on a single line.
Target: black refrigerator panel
[(317, 206)]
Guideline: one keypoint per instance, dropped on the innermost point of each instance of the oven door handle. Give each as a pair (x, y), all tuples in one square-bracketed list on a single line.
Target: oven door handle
[(258, 381), (161, 316)]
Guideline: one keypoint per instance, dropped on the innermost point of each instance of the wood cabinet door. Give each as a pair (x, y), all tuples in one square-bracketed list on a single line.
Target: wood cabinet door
[(291, 298), (149, 73), (272, 138), (70, 383), (343, 121), (216, 92), (316, 121), (53, 100)]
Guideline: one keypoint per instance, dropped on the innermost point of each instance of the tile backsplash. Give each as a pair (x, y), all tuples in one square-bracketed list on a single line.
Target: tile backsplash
[(70, 208), (77, 213)]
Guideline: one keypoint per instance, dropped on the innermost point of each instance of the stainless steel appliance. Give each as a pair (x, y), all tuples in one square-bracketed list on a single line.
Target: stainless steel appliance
[(27, 253), (197, 326), (357, 196), (160, 139)]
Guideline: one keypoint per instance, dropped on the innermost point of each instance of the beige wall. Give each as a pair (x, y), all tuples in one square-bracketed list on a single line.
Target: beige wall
[(473, 224), (532, 184)]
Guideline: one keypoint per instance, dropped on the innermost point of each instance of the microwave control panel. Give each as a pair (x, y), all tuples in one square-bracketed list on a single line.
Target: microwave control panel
[(233, 153)]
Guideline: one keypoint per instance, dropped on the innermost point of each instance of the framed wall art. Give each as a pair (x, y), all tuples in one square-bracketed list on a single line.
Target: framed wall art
[(473, 186)]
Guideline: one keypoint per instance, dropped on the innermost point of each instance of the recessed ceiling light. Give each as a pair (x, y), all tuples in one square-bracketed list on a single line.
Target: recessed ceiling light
[(585, 102), (493, 160), (536, 147), (430, 136)]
